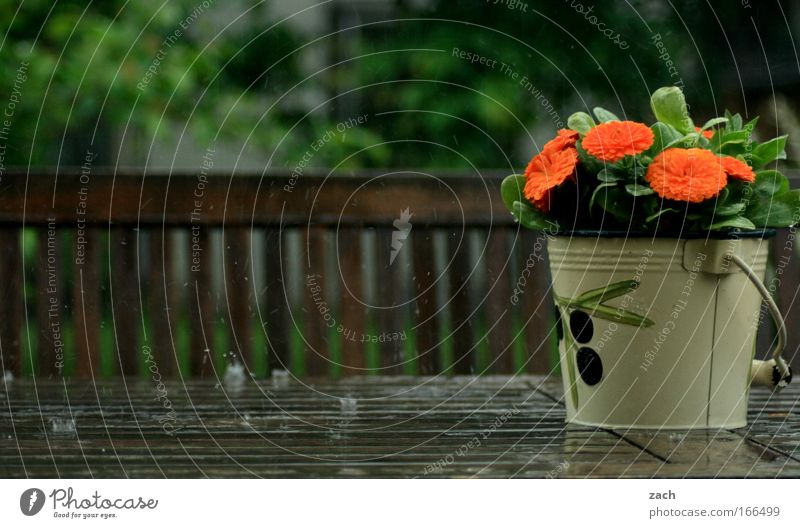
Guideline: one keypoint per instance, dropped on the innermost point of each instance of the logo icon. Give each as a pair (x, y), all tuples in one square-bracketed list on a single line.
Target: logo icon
[(402, 226), (31, 501)]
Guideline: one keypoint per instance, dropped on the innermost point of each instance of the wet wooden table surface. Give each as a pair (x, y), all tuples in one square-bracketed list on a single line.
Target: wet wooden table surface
[(365, 427)]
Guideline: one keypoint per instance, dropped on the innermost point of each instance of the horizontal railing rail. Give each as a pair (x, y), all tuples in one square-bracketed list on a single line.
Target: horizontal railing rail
[(349, 199)]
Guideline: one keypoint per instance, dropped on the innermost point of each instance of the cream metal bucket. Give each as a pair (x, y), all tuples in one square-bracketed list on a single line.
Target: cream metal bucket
[(660, 332)]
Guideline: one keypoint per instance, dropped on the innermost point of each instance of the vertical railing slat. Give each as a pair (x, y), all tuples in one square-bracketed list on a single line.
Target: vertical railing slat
[(124, 297), (86, 301), (353, 312), (459, 303), (389, 315), (49, 305), (425, 316), (788, 294), (316, 346), (536, 300), (11, 297), (161, 310), (238, 291), (200, 303), (275, 301), (498, 300)]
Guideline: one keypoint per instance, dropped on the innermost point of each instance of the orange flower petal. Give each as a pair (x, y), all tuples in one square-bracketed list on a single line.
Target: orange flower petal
[(737, 169), (545, 172), (565, 139), (688, 175), (614, 140)]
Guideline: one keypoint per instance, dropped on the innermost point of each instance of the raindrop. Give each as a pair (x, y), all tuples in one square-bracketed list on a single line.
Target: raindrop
[(234, 376), (62, 425), (348, 406)]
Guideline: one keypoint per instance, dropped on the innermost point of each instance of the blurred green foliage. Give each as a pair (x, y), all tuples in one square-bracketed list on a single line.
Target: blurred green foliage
[(247, 79)]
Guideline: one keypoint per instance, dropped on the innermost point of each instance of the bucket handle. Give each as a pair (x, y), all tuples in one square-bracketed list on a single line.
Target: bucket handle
[(774, 373)]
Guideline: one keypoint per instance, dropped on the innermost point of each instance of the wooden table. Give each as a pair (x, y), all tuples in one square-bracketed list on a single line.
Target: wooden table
[(362, 427)]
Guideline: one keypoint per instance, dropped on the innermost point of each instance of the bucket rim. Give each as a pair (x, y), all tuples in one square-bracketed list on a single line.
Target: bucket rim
[(620, 233)]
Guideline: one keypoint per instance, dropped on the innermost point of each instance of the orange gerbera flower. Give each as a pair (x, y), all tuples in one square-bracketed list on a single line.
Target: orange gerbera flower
[(614, 140), (565, 139), (545, 172), (737, 169), (708, 133), (689, 175)]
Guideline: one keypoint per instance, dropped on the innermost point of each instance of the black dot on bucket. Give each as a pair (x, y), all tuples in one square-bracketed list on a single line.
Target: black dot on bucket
[(580, 324), (589, 365)]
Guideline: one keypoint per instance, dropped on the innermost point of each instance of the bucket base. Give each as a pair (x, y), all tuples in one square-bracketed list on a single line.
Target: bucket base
[(629, 427)]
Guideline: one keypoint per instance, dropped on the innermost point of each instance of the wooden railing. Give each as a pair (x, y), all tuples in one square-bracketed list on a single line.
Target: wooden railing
[(129, 273)]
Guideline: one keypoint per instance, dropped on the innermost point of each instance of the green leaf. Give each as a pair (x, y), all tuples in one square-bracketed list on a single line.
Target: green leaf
[(531, 218), (737, 221), (597, 190), (608, 292), (782, 210), (740, 136), (607, 176), (664, 135), (769, 183), (635, 189), (751, 125), (669, 106), (511, 190), (769, 151), (722, 138), (659, 213), (603, 115), (713, 122), (735, 120), (684, 141), (617, 202), (729, 210), (580, 122), (619, 315)]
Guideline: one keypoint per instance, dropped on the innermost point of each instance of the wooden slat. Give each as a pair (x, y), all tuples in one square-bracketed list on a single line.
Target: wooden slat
[(459, 272), (50, 286), (125, 284), (200, 302), (536, 300), (169, 199), (788, 294), (86, 301), (498, 300), (11, 298), (162, 303), (390, 314), (238, 291), (276, 300), (352, 309), (425, 318), (315, 294)]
